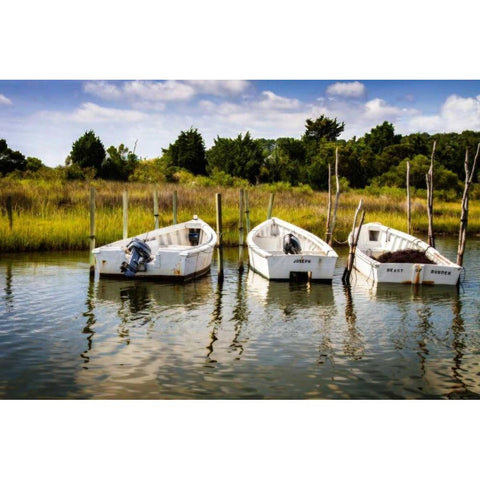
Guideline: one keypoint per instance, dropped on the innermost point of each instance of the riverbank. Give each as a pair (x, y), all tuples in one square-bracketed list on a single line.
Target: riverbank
[(55, 215)]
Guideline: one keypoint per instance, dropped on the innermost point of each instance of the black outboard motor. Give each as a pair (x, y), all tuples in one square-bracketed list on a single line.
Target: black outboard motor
[(193, 236), (141, 253), (291, 244)]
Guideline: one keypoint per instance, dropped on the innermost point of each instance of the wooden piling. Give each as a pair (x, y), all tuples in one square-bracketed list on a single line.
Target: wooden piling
[(155, 209), (218, 203), (409, 204), (240, 229), (353, 244), (247, 212), (328, 233), (92, 230), (429, 179), (10, 211), (270, 206), (174, 201), (125, 214), (462, 234), (337, 197)]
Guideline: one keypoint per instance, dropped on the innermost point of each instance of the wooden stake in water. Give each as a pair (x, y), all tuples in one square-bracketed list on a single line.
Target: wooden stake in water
[(218, 203), (10, 211), (270, 206), (429, 178), (240, 231), (175, 207), (462, 234), (409, 205), (92, 230), (125, 214), (328, 233), (155, 208), (337, 196), (353, 244), (247, 211)]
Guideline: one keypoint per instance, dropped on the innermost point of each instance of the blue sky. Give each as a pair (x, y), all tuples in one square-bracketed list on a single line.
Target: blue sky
[(43, 118)]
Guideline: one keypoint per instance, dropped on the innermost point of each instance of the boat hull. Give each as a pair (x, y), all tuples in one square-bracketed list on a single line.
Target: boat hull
[(315, 263), (376, 239), (166, 266), (173, 255), (288, 267)]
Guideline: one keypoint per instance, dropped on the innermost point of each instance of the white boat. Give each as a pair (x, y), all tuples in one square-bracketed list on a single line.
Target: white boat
[(279, 250), (376, 239), (178, 252)]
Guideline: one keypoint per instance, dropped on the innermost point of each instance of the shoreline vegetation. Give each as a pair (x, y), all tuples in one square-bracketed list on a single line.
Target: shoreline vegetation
[(53, 215)]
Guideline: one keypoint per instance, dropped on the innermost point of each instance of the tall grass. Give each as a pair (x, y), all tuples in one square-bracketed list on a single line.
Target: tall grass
[(54, 214)]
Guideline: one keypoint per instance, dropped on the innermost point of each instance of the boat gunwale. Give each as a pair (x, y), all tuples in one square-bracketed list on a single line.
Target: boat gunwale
[(328, 250)]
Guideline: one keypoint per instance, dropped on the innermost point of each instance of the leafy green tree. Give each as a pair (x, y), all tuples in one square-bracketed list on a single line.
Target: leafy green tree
[(323, 128), (444, 179), (392, 155), (33, 164), (285, 162), (240, 157), (88, 151), (381, 137), (188, 152), (10, 160), (119, 163)]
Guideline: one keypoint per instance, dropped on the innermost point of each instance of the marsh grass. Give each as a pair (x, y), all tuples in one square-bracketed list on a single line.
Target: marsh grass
[(55, 215)]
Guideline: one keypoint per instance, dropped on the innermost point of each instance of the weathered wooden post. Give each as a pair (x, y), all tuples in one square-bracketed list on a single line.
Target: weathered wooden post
[(240, 230), (155, 208), (353, 244), (175, 207), (218, 203), (10, 211), (409, 205), (429, 178), (270, 206), (247, 212), (337, 196), (328, 233), (125, 214), (462, 234), (92, 230)]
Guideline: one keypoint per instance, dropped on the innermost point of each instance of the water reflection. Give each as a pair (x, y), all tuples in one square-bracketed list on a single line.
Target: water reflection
[(9, 298), (90, 322), (215, 321), (240, 316), (353, 344), (289, 296), (132, 339)]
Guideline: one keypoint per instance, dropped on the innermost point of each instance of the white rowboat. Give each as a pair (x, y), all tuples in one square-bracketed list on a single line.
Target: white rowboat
[(178, 252), (315, 261), (376, 239)]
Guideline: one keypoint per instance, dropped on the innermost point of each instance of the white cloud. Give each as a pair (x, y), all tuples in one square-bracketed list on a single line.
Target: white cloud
[(170, 90), (270, 101), (89, 113), (219, 87), (380, 109), (105, 90), (164, 91), (347, 89), (455, 115), (4, 100)]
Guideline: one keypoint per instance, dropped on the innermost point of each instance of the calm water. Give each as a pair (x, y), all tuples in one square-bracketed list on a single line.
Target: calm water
[(64, 336)]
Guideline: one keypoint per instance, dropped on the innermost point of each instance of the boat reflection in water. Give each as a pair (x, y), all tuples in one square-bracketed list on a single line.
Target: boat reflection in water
[(289, 296), (154, 322), (423, 322)]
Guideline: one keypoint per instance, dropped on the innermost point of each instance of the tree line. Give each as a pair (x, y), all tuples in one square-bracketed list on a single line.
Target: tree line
[(378, 158)]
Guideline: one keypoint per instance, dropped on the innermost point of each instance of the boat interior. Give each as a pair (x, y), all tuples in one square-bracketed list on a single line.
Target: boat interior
[(270, 239), (376, 241)]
